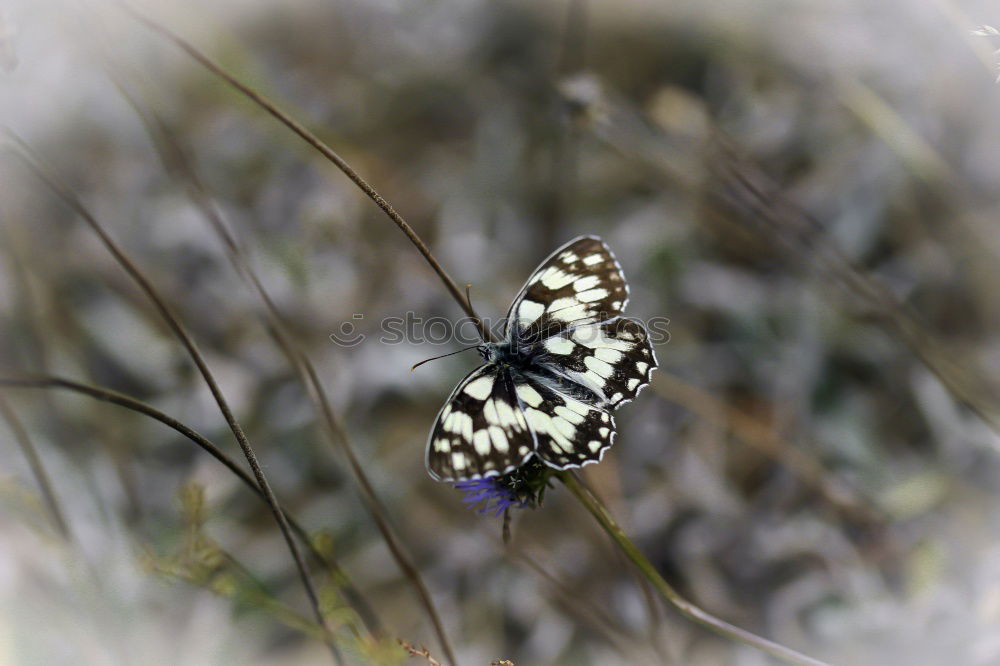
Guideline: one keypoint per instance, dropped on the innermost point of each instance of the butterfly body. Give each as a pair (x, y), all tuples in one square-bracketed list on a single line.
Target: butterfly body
[(547, 390)]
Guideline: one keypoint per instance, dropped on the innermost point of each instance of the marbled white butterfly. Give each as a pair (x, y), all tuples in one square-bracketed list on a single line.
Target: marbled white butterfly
[(567, 360)]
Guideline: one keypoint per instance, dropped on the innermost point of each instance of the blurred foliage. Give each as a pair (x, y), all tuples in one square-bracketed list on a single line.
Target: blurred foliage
[(807, 190)]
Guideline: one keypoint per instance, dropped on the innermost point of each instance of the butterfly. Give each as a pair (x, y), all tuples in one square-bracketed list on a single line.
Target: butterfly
[(568, 358)]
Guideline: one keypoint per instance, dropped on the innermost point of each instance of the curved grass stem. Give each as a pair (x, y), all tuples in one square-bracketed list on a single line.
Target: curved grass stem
[(672, 596), (327, 152), (37, 468), (128, 402), (67, 196)]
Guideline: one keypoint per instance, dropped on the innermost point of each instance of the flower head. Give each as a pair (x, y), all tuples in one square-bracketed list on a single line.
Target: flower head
[(489, 495), (521, 488)]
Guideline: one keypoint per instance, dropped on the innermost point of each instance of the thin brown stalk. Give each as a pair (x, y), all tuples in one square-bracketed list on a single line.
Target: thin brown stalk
[(377, 509), (323, 148), (590, 615), (421, 652), (649, 596), (588, 500), (27, 446), (742, 186), (178, 329), (175, 157), (114, 397), (708, 160), (669, 594)]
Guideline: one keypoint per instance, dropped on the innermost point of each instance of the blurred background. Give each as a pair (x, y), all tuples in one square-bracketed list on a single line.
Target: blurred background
[(806, 189)]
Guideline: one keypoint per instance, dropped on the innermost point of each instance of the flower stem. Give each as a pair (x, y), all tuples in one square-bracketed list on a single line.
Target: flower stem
[(686, 608)]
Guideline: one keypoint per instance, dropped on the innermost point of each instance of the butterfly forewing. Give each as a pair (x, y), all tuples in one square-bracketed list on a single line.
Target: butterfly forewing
[(568, 359), (568, 432), (481, 430), (579, 283), (613, 358)]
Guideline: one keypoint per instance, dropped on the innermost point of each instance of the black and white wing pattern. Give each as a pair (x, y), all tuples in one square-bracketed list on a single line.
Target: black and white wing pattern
[(580, 283), (613, 358), (569, 432), (569, 358), (481, 430)]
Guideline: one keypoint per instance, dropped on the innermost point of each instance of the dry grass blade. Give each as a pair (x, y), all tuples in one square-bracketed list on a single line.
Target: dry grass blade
[(178, 329), (175, 157), (315, 387), (37, 468), (325, 150), (590, 615), (667, 591), (748, 198), (596, 508), (114, 397)]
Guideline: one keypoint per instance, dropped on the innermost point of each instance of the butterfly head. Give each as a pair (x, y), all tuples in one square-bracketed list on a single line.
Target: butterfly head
[(500, 352)]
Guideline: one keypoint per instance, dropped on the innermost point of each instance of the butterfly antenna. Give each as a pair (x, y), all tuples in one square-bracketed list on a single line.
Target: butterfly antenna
[(434, 358)]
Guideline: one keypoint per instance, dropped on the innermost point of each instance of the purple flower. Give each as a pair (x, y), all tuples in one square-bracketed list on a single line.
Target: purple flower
[(489, 495)]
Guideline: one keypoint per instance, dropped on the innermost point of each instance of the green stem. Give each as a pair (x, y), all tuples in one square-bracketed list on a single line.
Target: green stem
[(686, 608)]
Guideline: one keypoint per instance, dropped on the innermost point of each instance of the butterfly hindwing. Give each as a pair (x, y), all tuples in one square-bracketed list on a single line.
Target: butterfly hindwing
[(481, 431), (568, 359), (568, 432), (614, 358), (579, 283)]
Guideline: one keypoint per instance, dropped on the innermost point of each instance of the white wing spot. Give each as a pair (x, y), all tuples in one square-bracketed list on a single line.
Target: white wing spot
[(585, 283), (608, 355), (559, 346), (563, 303), (595, 446), (641, 367), (442, 445), (529, 311), (632, 383), (458, 461), (554, 428), (593, 259), (482, 442), (506, 416), (490, 411), (522, 451), (617, 397), (604, 431), (529, 395), (538, 420), (554, 278), (499, 438), (565, 427), (572, 314), (570, 415), (592, 295), (460, 424), (599, 367), (480, 388), (568, 257), (593, 337)]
